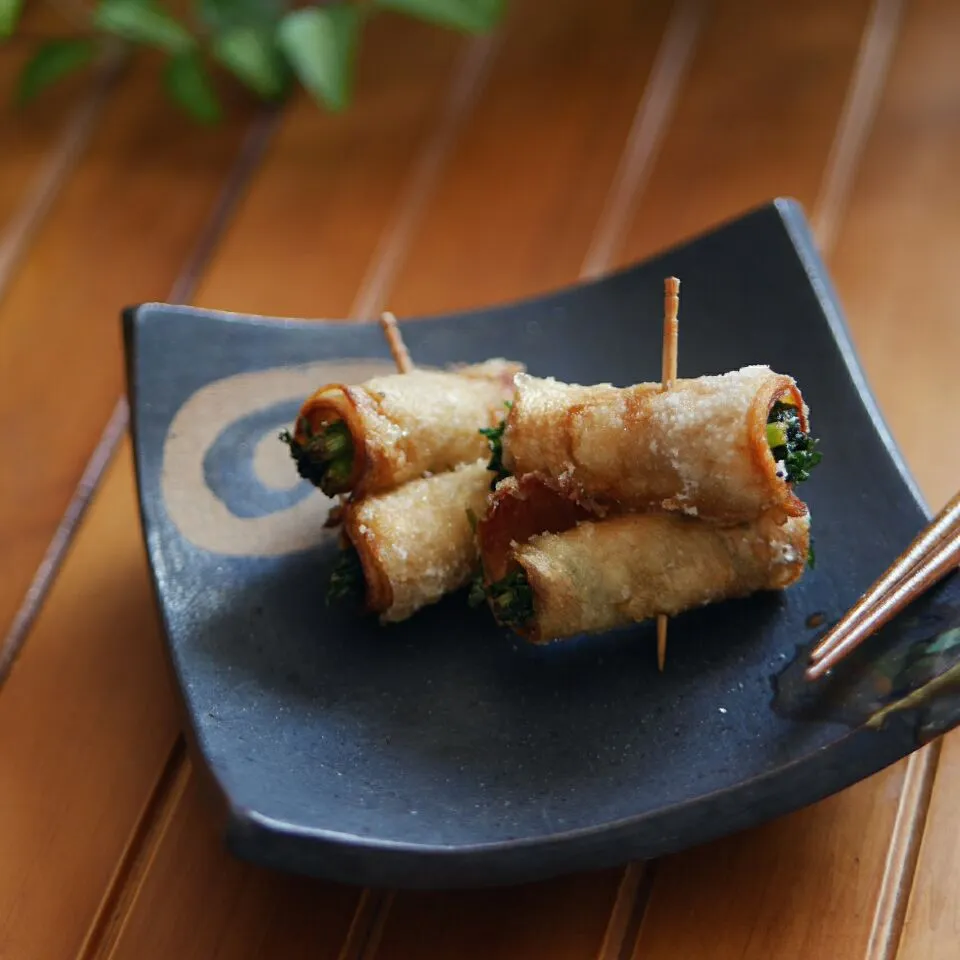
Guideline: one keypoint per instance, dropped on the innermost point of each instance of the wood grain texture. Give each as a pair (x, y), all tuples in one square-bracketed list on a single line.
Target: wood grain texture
[(805, 885), (756, 118), (181, 894), (118, 234), (563, 919), (107, 848), (894, 264), (932, 927), (477, 177), (897, 278), (515, 212), (28, 135), (193, 903), (331, 183), (86, 723), (839, 850)]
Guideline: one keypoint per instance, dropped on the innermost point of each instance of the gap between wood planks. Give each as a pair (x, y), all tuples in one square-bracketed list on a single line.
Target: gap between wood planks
[(856, 121), (54, 173), (373, 907), (135, 862), (248, 159), (865, 89), (650, 122)]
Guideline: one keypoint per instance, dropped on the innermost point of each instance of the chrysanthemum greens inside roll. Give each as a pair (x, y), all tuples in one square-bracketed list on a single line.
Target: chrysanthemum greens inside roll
[(374, 437), (407, 548), (701, 448)]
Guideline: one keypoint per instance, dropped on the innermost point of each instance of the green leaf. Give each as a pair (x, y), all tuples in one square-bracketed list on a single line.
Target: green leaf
[(9, 15), (218, 15), (53, 61), (250, 54), (320, 45), (471, 16), (143, 21), (187, 82)]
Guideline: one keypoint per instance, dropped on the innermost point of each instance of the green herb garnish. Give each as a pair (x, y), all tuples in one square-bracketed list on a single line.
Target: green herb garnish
[(494, 437), (512, 599), (811, 555), (478, 592), (347, 583), (789, 444), (324, 458)]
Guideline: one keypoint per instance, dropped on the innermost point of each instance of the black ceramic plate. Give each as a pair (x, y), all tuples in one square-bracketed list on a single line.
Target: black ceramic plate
[(444, 752)]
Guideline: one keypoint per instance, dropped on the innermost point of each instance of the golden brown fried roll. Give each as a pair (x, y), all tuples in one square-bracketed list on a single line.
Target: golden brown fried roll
[(555, 566), (608, 573), (701, 448), (374, 437), (416, 543)]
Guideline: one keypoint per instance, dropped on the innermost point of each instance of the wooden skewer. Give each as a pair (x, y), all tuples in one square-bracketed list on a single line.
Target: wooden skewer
[(398, 349), (931, 556), (668, 373)]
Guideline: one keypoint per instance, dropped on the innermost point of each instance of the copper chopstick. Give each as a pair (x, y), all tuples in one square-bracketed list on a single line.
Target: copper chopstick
[(930, 557)]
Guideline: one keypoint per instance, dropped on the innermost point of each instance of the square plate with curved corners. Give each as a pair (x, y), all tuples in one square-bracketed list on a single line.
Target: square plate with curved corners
[(443, 751)]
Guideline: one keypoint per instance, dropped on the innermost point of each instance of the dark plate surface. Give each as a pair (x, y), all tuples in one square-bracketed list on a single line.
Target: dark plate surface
[(444, 752)]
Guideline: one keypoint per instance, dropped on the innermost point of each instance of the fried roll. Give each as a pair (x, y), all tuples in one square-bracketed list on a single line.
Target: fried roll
[(556, 567), (406, 548), (371, 438), (725, 448)]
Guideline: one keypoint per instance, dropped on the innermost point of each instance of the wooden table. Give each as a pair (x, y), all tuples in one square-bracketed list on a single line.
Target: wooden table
[(581, 137)]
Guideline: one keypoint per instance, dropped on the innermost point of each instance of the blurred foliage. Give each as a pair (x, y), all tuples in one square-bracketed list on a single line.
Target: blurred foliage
[(267, 45)]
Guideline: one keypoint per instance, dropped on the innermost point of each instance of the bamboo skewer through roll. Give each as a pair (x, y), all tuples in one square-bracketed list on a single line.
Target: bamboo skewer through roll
[(668, 373)]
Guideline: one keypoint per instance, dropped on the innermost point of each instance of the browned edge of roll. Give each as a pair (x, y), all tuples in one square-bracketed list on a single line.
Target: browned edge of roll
[(333, 402), (378, 594), (521, 508)]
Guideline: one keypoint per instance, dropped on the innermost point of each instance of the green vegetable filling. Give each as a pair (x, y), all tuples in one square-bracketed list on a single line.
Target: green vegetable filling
[(512, 599), (494, 437), (324, 458), (789, 444), (478, 592), (347, 583)]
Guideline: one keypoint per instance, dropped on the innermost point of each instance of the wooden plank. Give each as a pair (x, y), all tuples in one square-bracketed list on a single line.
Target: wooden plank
[(803, 886), (563, 919), (531, 174), (330, 184), (932, 927), (512, 246), (893, 266), (473, 177), (756, 119), (92, 670), (86, 722), (29, 135), (903, 300), (819, 883), (119, 233), (244, 912)]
